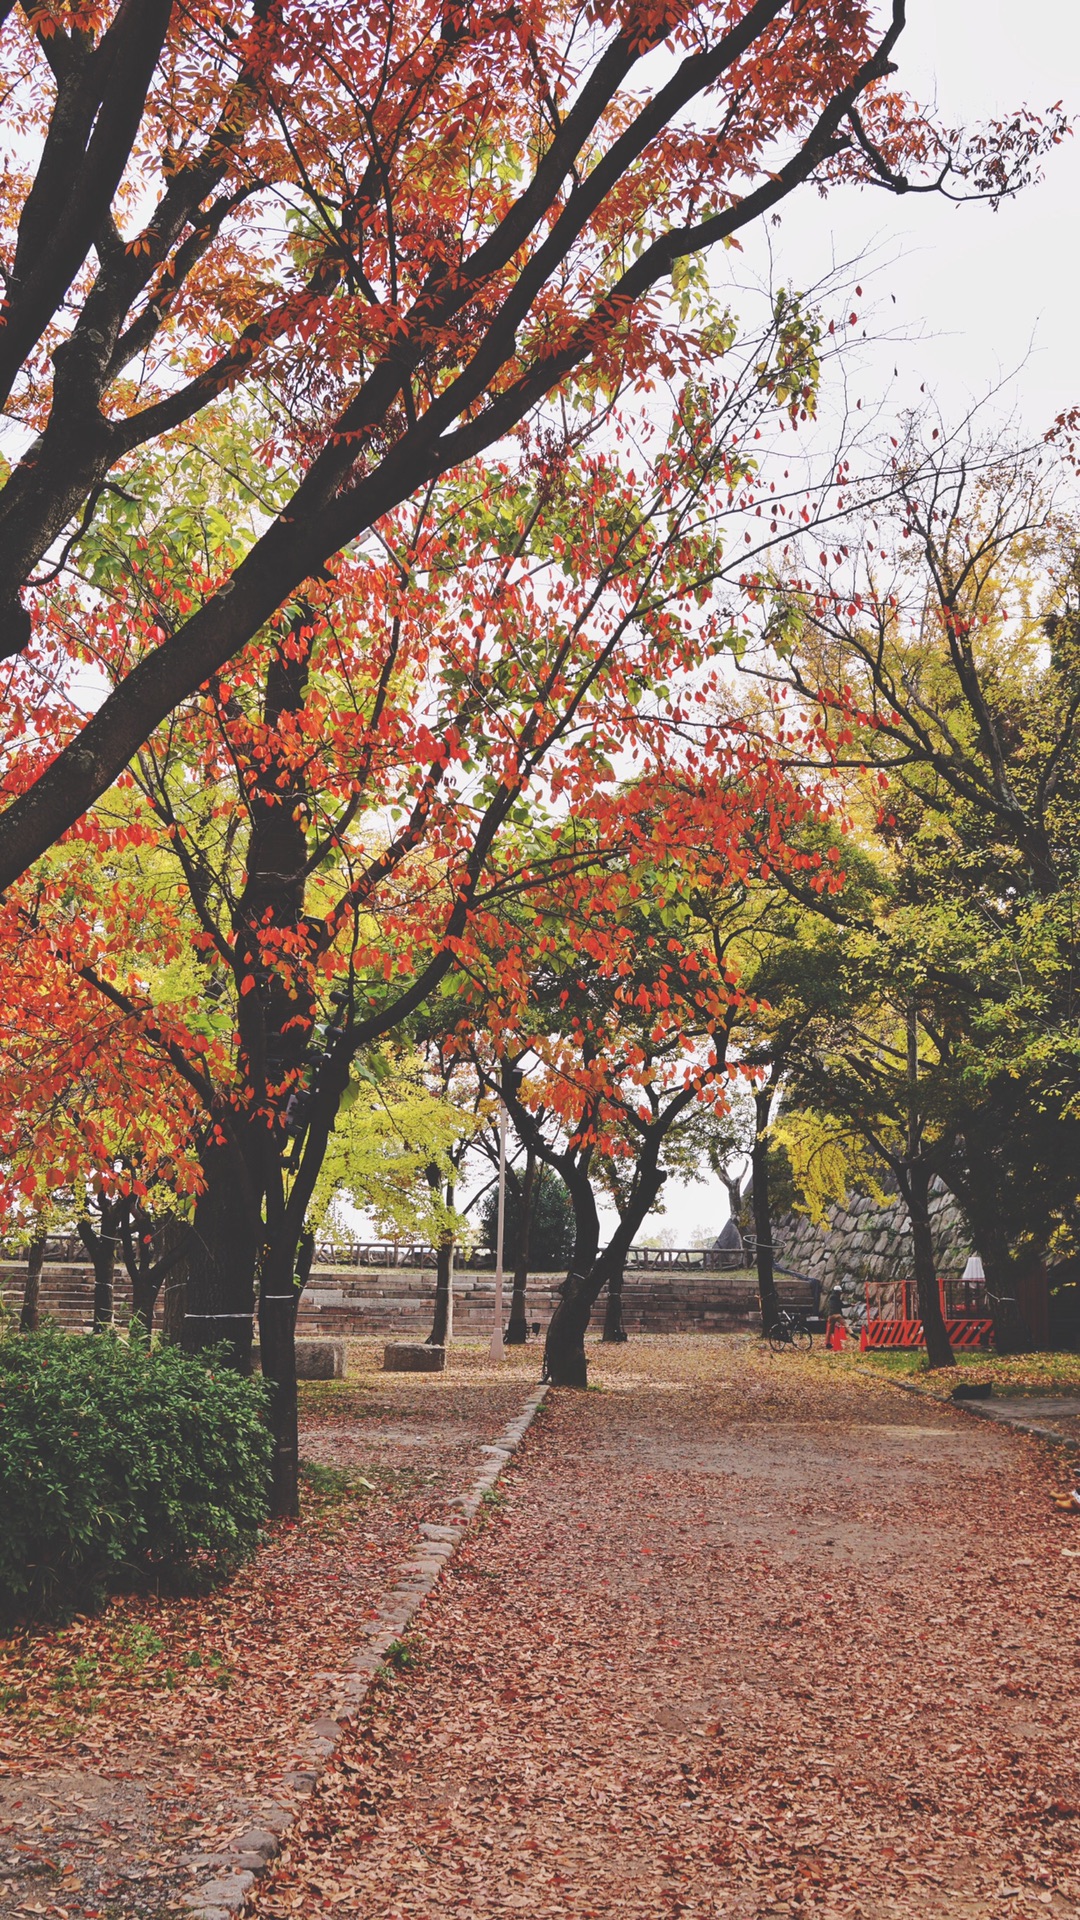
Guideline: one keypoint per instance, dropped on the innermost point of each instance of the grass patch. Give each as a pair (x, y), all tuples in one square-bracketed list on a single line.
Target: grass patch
[(136, 1644), (333, 1486), (1012, 1373), (325, 1483), (404, 1655)]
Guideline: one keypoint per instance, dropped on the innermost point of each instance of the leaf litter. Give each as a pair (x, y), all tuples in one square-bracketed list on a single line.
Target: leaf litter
[(136, 1744), (749, 1635)]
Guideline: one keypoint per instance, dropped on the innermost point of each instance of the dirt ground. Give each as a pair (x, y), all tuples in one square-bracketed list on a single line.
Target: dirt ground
[(742, 1636), (135, 1746)]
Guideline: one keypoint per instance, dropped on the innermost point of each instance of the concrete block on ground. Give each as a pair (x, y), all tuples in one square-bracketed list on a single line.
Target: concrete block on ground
[(320, 1359), (315, 1359), (403, 1356)]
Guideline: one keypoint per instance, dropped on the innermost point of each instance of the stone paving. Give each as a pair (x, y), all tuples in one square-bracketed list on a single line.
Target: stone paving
[(1058, 1412)]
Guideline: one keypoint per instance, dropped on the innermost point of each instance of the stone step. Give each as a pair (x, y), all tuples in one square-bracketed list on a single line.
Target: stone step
[(393, 1300)]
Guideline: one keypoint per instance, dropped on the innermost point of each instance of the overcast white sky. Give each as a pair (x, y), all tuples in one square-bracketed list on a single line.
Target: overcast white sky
[(979, 296), (977, 293)]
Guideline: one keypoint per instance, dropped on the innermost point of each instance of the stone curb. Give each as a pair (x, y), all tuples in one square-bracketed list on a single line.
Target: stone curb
[(247, 1857), (1029, 1427)]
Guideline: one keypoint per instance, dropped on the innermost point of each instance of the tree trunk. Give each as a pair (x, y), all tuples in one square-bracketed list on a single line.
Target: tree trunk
[(305, 1255), (1011, 1333), (174, 1286), (30, 1315), (916, 1185), (914, 1178), (254, 1235), (104, 1286), (976, 1188), (222, 1262), (144, 1293), (614, 1333), (442, 1325), (768, 1297), (101, 1244), (278, 1297), (565, 1364), (517, 1331)]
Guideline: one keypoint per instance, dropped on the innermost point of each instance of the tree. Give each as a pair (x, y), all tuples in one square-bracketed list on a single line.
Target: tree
[(539, 1233), (946, 659), (85, 1094), (612, 999), (95, 1130), (478, 655), (392, 1149), (409, 236), (770, 932), (545, 1234)]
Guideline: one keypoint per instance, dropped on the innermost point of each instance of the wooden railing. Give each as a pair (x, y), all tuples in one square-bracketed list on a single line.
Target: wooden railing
[(389, 1253), (68, 1250)]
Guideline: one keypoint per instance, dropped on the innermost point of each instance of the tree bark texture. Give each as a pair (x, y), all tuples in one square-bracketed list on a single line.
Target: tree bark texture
[(144, 1293), (976, 1187), (916, 1189), (176, 1236), (565, 1363), (222, 1260), (442, 1325), (101, 1244), (150, 1252), (614, 1333), (768, 1297), (914, 1177), (30, 1313), (517, 1330), (249, 1227), (278, 1297)]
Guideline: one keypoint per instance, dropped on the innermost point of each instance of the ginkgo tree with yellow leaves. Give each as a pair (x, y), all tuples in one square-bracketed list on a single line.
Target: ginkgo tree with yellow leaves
[(393, 1152)]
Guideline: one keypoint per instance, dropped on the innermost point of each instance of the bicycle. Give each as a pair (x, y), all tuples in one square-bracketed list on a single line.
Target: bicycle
[(790, 1330)]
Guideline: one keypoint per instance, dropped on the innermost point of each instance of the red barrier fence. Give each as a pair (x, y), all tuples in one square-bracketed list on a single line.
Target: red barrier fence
[(909, 1333), (893, 1320)]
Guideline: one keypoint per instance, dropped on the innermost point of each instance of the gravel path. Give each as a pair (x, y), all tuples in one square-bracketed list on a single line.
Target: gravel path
[(745, 1636)]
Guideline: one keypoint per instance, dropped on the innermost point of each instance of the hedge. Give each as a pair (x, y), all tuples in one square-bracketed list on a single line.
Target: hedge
[(120, 1467)]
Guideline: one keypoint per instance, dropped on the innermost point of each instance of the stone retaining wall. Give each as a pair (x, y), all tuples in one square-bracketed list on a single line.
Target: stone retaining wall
[(866, 1241)]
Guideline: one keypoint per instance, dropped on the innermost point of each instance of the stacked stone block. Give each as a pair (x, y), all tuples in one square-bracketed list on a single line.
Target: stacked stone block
[(866, 1241)]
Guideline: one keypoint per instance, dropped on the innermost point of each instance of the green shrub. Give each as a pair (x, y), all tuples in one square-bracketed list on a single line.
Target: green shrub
[(119, 1467)]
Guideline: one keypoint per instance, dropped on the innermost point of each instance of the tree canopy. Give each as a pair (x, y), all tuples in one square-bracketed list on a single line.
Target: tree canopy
[(407, 228)]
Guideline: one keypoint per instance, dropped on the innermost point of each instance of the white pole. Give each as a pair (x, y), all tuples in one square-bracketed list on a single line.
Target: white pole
[(496, 1349), (450, 1298)]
